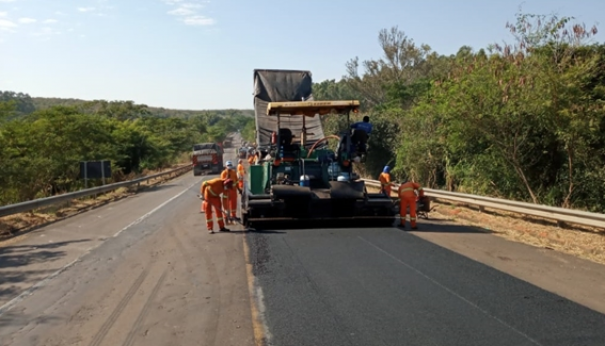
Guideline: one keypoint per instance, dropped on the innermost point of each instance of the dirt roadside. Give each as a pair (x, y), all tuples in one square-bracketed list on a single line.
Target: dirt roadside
[(18, 224)]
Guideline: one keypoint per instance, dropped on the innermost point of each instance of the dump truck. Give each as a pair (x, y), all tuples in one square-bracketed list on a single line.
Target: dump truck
[(207, 158), (299, 178)]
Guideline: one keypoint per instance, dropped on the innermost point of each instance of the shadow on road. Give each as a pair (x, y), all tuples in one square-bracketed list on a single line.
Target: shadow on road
[(14, 278), (17, 319), (429, 226), (442, 227)]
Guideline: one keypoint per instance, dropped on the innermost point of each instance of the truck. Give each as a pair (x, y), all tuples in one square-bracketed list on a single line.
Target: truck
[(207, 158), (299, 177)]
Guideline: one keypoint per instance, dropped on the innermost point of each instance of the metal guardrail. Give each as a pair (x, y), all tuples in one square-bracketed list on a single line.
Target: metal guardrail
[(43, 202), (560, 214)]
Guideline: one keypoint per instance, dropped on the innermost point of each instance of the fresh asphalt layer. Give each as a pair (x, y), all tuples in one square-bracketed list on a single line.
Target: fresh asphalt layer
[(388, 287)]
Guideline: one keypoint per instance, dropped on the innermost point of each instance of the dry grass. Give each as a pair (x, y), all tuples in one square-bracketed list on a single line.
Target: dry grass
[(583, 242), (14, 225)]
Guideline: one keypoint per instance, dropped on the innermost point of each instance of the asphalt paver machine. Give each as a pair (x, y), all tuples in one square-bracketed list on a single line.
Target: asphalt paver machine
[(298, 177)]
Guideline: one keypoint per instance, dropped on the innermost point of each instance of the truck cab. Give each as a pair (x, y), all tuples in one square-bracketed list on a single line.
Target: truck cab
[(207, 158)]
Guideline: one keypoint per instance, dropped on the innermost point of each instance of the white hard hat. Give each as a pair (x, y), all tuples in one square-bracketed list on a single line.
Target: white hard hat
[(229, 164)]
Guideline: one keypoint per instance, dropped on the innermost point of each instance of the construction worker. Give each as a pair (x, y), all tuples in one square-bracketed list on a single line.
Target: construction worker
[(385, 181), (241, 173), (407, 197), (252, 158), (361, 132), (230, 195), (211, 190)]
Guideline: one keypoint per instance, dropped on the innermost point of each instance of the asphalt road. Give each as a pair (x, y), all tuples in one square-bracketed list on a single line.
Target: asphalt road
[(388, 287), (141, 271), (144, 271)]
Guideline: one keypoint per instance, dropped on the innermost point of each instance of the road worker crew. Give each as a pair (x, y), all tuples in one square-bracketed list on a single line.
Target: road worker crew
[(212, 190), (230, 195), (385, 181), (241, 173), (407, 197)]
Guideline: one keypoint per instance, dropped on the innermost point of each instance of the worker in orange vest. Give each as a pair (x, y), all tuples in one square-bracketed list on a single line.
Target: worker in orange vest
[(230, 195), (241, 173), (385, 181), (211, 190), (407, 198), (252, 158)]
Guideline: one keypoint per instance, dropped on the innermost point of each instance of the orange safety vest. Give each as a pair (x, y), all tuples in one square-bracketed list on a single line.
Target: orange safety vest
[(241, 171), (406, 190), (212, 188), (385, 180), (251, 159), (229, 173)]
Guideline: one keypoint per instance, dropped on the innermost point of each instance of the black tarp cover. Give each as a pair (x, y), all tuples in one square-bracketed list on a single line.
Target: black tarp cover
[(283, 86)]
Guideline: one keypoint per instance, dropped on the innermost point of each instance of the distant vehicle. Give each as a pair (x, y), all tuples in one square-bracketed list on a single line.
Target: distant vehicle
[(207, 157)]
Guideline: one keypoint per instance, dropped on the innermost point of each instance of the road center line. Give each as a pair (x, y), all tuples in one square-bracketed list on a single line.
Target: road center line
[(155, 209), (9, 305), (451, 292)]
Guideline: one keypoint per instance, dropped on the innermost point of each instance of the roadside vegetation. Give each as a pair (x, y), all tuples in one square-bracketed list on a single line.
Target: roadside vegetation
[(522, 121), (42, 140)]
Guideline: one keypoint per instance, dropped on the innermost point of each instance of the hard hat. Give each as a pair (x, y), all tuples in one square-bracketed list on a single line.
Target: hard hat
[(386, 169), (229, 164), (227, 182), (240, 161)]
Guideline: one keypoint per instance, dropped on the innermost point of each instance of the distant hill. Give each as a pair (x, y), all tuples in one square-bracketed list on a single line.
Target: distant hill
[(47, 102)]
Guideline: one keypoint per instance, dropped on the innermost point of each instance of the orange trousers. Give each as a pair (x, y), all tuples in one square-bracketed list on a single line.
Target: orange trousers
[(403, 205), (213, 202), (230, 202), (387, 190)]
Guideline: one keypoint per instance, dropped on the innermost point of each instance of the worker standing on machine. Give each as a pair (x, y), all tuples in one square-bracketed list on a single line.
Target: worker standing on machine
[(385, 181), (230, 195), (241, 173), (407, 198), (361, 133), (211, 191)]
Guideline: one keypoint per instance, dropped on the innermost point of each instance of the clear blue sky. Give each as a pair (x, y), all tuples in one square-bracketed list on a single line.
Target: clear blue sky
[(192, 54)]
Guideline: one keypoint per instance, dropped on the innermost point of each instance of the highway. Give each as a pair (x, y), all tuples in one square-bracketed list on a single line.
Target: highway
[(144, 271)]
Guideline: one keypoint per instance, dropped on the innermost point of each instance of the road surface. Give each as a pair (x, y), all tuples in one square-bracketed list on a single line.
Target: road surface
[(144, 271), (389, 287), (141, 271)]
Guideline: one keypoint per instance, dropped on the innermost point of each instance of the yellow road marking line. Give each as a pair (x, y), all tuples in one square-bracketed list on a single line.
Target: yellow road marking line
[(257, 324)]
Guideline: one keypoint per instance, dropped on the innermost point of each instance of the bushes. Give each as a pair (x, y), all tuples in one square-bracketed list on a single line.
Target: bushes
[(524, 121), (40, 151)]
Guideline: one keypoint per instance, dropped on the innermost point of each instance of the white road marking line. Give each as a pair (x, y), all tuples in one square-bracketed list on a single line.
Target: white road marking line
[(154, 210), (6, 307)]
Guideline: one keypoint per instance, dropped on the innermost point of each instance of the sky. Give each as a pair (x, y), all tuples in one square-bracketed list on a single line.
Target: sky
[(194, 54)]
